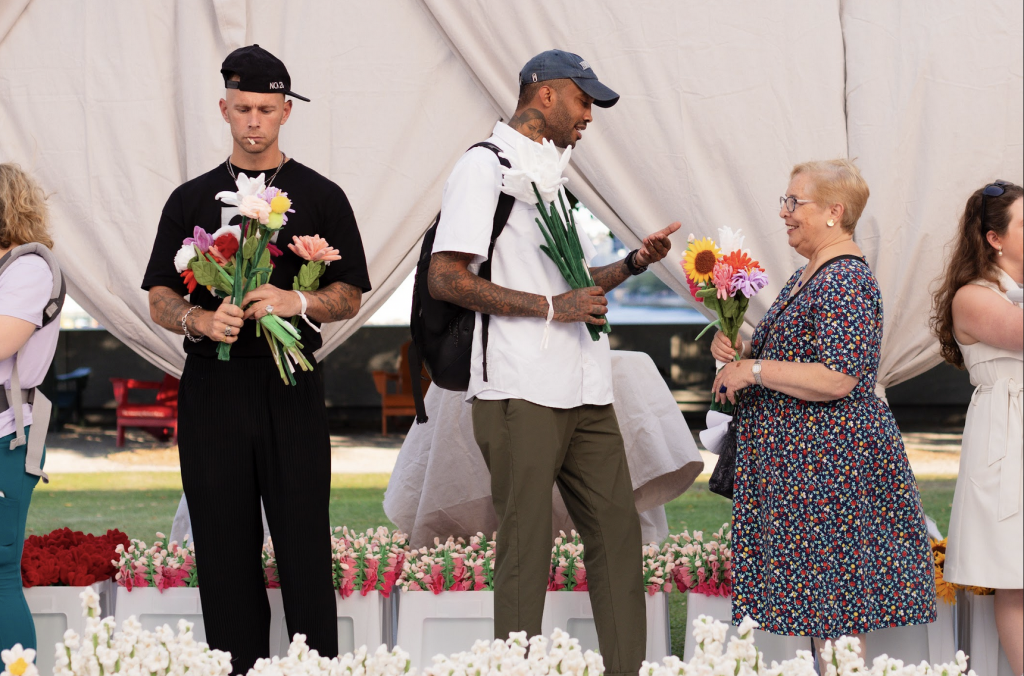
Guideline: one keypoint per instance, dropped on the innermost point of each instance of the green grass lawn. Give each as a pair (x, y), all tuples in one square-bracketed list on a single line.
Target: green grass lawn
[(142, 503)]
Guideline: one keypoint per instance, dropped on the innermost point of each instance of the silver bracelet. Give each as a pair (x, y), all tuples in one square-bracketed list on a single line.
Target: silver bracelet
[(184, 326)]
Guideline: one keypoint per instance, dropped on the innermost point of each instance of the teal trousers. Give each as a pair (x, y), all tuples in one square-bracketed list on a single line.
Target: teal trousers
[(16, 485)]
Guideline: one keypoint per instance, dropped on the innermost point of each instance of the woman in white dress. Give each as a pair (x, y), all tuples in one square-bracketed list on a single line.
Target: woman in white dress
[(980, 324)]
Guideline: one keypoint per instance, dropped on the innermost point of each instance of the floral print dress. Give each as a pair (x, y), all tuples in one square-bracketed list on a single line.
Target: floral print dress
[(829, 536)]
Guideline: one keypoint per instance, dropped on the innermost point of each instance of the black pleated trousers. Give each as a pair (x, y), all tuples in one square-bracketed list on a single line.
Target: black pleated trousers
[(243, 434)]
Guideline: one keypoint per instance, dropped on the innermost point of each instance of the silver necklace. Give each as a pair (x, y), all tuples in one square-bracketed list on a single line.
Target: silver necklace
[(231, 171)]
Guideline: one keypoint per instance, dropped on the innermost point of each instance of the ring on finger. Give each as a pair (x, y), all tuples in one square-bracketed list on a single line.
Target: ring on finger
[(227, 330), (269, 309)]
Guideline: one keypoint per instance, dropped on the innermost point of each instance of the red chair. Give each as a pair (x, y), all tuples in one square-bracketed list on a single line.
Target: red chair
[(162, 414), (398, 402)]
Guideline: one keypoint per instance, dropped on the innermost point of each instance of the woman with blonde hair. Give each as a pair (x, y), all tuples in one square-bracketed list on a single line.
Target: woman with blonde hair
[(829, 537), (980, 325), (29, 325)]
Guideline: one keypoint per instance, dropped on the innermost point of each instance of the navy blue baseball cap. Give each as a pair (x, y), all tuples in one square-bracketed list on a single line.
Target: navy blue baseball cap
[(258, 71), (555, 64)]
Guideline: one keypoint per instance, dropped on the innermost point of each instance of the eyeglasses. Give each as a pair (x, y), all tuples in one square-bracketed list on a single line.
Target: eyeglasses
[(791, 202), (994, 189)]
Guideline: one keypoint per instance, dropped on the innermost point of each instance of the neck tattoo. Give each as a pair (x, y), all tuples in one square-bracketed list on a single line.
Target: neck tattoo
[(231, 170)]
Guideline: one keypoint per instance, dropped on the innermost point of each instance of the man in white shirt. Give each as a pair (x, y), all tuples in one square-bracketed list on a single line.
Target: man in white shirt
[(545, 415)]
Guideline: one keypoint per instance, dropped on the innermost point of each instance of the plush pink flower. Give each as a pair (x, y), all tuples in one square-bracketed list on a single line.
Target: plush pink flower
[(722, 279), (314, 248), (581, 579)]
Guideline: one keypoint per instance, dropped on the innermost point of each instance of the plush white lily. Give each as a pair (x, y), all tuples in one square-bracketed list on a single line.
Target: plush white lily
[(247, 187), (730, 240), (536, 163), (19, 661), (186, 254)]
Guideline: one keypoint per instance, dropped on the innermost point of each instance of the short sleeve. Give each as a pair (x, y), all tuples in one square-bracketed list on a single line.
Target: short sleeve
[(25, 289), (170, 233), (847, 319), (342, 233), (468, 204)]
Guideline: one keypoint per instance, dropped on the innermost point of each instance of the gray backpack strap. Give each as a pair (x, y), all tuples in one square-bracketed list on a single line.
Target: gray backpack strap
[(59, 290), (41, 409), (41, 406)]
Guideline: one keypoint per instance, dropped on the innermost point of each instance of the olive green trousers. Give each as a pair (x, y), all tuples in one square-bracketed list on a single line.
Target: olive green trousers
[(528, 448)]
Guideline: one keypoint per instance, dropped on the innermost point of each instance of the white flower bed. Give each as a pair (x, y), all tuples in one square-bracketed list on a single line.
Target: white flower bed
[(162, 653)]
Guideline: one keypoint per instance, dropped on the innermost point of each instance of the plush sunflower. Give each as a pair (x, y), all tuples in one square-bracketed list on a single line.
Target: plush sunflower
[(699, 261)]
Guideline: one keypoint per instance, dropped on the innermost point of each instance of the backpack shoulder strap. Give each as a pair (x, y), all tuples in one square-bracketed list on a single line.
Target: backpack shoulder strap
[(59, 290), (501, 214)]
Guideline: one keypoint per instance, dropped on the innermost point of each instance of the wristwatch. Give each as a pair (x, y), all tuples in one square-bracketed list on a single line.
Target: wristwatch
[(631, 265), (756, 370)]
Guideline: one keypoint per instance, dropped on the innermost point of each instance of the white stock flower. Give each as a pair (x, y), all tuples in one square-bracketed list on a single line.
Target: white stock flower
[(247, 187), (186, 254), (535, 163), (255, 208)]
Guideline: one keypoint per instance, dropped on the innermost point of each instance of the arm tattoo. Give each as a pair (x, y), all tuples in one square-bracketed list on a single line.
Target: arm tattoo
[(333, 303), (531, 123), (610, 276), (451, 281), (167, 308)]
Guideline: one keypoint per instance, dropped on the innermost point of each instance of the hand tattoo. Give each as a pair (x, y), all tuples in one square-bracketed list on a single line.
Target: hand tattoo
[(531, 123), (333, 303)]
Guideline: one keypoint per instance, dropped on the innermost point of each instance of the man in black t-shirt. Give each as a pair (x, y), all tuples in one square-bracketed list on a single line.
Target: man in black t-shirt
[(244, 435)]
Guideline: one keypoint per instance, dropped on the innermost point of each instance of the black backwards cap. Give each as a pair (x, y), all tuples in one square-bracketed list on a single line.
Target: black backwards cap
[(555, 64), (258, 71)]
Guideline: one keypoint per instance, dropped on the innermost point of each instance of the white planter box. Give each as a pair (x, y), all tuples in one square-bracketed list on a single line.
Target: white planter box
[(572, 612), (934, 643), (986, 656), (57, 609), (772, 646), (449, 622), (359, 622), (359, 617), (153, 608)]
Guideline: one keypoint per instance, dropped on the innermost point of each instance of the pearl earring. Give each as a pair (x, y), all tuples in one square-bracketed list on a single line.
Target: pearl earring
[(831, 222), (999, 251)]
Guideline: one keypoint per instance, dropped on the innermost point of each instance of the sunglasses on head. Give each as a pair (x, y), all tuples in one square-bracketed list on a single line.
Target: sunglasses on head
[(993, 189)]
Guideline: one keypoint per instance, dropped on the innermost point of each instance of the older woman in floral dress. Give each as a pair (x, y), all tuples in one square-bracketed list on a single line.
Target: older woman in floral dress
[(829, 535)]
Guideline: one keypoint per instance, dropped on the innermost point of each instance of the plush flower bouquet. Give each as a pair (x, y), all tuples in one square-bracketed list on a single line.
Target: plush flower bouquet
[(103, 651), (370, 561), (702, 567), (158, 566), (658, 569), (69, 558), (536, 178), (946, 591), (234, 260), (454, 565)]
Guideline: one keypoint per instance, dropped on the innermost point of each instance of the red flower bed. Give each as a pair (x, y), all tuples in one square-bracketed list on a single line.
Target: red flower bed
[(70, 558)]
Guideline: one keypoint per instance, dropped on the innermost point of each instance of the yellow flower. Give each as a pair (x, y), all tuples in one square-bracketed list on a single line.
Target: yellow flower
[(699, 261), (19, 667), (280, 204)]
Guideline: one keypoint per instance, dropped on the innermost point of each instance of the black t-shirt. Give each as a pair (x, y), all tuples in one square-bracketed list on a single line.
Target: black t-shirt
[(321, 208)]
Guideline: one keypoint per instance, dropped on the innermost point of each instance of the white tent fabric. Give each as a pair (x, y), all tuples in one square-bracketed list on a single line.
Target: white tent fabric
[(112, 105)]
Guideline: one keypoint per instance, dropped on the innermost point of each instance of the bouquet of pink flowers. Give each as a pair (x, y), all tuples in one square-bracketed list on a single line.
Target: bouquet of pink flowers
[(370, 561), (702, 567), (658, 568), (568, 572), (454, 565), (158, 566)]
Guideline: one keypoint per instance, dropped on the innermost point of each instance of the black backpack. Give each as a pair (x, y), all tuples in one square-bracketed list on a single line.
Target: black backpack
[(442, 332)]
